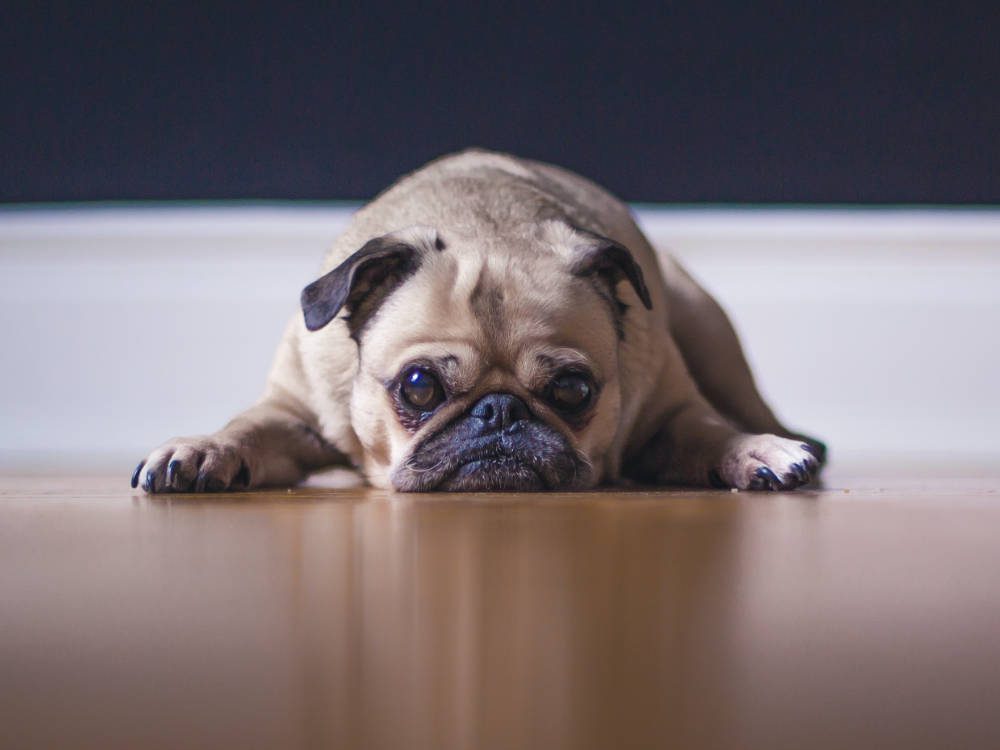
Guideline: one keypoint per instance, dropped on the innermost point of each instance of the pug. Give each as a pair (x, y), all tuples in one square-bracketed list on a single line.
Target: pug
[(491, 323)]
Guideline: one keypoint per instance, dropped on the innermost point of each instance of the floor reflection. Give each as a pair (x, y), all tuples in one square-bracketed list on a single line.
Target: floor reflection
[(359, 619), (433, 624)]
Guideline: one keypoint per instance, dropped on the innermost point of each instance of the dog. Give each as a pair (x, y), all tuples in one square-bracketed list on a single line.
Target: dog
[(491, 323)]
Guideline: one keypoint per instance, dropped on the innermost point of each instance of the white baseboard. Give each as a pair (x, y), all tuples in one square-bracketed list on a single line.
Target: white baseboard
[(873, 329)]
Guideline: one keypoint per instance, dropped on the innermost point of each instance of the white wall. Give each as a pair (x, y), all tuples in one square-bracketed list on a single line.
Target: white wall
[(873, 329)]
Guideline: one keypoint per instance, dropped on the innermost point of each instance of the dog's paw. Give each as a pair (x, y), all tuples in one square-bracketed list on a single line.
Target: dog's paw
[(197, 464), (767, 462)]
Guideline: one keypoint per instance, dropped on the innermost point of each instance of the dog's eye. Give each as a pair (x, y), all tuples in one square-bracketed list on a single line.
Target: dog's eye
[(571, 392), (421, 390)]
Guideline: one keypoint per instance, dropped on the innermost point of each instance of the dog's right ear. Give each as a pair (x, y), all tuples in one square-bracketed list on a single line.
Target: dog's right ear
[(363, 281)]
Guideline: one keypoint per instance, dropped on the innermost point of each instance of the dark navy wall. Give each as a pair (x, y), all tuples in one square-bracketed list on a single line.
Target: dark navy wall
[(746, 102)]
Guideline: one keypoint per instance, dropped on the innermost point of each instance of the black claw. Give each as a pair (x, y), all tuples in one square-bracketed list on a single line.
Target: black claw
[(172, 468), (208, 483), (816, 449), (769, 480), (800, 472), (242, 478), (135, 474), (150, 484)]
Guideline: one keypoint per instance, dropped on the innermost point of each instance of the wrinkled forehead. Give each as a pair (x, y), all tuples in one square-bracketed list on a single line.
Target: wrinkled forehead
[(495, 311)]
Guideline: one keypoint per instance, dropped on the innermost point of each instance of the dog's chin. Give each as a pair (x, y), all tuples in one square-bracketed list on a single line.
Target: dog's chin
[(461, 458), (501, 474)]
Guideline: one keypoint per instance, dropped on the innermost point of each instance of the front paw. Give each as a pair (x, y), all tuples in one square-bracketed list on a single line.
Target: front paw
[(767, 462), (197, 464)]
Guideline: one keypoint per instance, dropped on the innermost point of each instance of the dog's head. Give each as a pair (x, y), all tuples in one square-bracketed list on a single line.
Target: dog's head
[(484, 363)]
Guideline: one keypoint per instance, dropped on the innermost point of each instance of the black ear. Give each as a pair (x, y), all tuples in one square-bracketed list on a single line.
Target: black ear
[(606, 260), (360, 283)]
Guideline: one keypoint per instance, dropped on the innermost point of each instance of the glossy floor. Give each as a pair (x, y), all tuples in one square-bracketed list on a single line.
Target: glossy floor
[(863, 615)]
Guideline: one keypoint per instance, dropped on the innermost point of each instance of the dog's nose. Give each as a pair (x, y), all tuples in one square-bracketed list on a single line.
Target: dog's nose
[(500, 410)]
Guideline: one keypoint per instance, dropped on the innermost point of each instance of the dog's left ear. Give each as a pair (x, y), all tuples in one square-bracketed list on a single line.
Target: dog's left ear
[(362, 282), (609, 262)]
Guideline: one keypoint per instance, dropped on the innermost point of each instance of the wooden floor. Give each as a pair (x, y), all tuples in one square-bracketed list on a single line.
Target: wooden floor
[(864, 615)]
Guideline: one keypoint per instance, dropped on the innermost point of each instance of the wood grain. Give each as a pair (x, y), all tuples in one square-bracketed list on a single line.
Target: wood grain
[(866, 614)]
